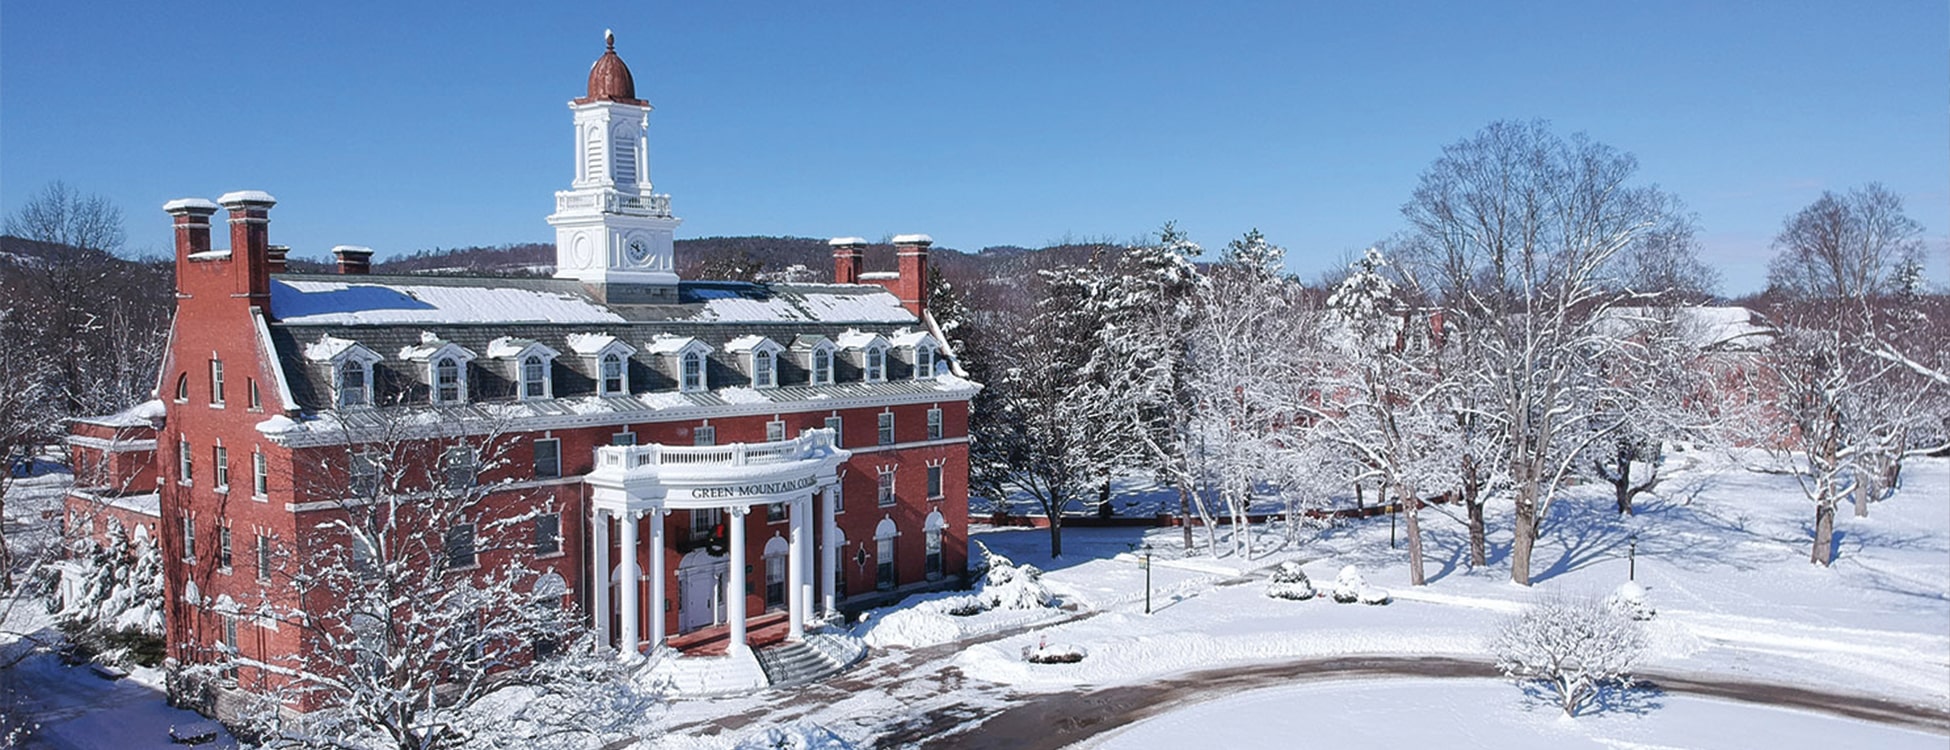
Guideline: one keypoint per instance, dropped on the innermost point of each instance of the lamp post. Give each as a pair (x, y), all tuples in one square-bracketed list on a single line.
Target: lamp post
[(1144, 561), (1632, 559)]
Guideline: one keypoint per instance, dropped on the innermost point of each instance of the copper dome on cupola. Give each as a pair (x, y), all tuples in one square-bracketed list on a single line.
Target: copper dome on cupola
[(609, 78)]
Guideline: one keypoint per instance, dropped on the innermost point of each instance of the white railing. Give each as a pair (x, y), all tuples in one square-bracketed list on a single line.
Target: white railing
[(811, 444), (616, 201)]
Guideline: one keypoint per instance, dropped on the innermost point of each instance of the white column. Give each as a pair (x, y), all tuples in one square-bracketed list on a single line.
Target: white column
[(735, 584), (795, 567), (829, 560), (599, 588), (626, 601), (657, 577)]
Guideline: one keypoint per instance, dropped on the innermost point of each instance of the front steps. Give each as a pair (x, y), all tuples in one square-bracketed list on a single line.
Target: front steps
[(817, 657)]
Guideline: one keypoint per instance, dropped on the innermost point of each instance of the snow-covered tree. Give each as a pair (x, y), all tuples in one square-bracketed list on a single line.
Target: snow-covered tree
[(116, 606), (1574, 647), (416, 623), (1518, 232)]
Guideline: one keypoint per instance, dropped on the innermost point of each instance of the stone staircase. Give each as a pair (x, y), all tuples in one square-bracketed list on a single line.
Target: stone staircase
[(819, 656)]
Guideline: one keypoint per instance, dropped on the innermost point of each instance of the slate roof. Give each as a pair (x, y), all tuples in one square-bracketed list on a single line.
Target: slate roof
[(387, 314)]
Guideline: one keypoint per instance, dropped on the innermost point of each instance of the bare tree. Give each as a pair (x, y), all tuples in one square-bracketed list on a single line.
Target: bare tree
[(1575, 647), (1520, 232), (415, 605)]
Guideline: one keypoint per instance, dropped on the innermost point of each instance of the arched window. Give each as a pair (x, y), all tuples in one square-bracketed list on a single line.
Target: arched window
[(775, 557), (448, 387), (534, 377), (764, 375), (352, 388), (822, 367), (693, 372), (613, 382), (876, 364), (183, 387), (923, 362)]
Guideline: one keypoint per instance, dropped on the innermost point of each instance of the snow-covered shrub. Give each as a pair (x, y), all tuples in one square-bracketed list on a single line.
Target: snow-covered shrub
[(1011, 586), (1290, 582), (115, 609), (1574, 647), (1630, 599), (1350, 587), (1044, 653), (799, 735)]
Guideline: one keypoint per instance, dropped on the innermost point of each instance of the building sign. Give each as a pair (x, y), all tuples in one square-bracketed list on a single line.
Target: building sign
[(747, 490)]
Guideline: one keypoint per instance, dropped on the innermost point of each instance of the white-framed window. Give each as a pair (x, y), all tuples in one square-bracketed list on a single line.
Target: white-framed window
[(886, 495), (774, 581), (774, 512), (189, 539), (623, 156), (230, 646), (615, 375), (705, 522), (458, 467), (934, 424), (548, 457), (183, 388), (185, 461), (876, 359), (260, 474), (886, 428), (934, 567), (625, 437), (257, 399), (693, 372), (449, 380), (704, 435), (223, 547), (934, 483), (352, 384), (884, 570), (220, 459), (765, 369), (775, 431), (216, 382), (839, 500), (263, 557), (822, 366), (363, 472), (833, 423), (548, 534), (460, 546), (534, 377), (923, 362)]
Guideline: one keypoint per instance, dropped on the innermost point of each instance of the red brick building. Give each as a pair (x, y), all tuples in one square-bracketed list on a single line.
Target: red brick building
[(680, 456)]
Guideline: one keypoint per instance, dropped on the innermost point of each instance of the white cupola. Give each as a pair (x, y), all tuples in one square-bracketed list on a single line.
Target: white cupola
[(611, 231)]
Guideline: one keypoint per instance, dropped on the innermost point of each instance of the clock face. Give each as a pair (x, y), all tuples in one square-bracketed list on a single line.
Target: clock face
[(637, 252)]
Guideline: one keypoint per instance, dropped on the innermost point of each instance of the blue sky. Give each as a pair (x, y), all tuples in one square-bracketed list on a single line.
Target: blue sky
[(404, 126)]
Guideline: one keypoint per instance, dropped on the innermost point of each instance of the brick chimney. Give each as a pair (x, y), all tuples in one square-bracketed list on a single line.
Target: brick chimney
[(847, 258), (911, 251), (192, 219), (276, 256), (353, 260), (250, 243)]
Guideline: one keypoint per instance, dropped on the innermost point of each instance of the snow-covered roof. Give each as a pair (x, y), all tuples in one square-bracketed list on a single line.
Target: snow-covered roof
[(1721, 327), (590, 344), (855, 338), (431, 345), (840, 303), (879, 275), (351, 250), (844, 241), (668, 344), (181, 203), (508, 347), (806, 342), (912, 239), (750, 343), (912, 339), (351, 303), (140, 415), (328, 348)]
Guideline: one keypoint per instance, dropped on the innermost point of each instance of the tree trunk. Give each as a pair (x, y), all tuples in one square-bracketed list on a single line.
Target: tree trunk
[(1824, 534), (1056, 534), (1526, 537), (1411, 508), (1866, 489), (1622, 484), (1360, 500), (1472, 493), (1185, 513)]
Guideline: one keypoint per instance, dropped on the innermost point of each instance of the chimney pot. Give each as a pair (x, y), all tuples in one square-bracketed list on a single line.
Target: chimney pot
[(353, 260), (847, 258)]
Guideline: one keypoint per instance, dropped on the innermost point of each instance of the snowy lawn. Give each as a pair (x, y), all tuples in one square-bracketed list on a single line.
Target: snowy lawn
[(1488, 714)]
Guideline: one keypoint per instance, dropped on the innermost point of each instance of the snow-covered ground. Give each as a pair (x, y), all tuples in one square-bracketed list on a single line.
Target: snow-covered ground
[(1481, 714)]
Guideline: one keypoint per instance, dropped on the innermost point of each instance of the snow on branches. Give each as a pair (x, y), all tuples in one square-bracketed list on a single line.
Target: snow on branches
[(1575, 648)]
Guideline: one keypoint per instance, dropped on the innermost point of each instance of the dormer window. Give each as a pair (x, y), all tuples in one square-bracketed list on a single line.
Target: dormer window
[(449, 381), (693, 372), (615, 380), (527, 363), (534, 377), (765, 370), (822, 367), (876, 366), (446, 365), (352, 385), (815, 353), (923, 363), (919, 349)]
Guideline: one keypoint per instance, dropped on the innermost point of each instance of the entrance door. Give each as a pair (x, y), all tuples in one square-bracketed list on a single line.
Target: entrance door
[(700, 592)]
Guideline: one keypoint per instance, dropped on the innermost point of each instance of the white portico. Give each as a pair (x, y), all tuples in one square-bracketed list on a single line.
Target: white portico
[(631, 483)]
